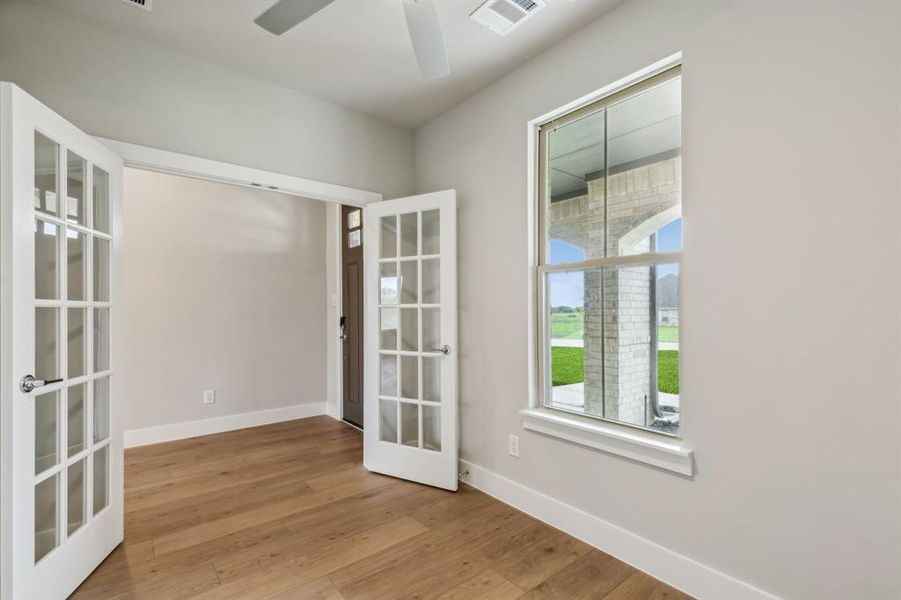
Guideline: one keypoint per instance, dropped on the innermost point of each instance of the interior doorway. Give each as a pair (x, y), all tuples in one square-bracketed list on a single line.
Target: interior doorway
[(352, 314)]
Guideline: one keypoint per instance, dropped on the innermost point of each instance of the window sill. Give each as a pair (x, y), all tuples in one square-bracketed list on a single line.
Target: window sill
[(648, 448)]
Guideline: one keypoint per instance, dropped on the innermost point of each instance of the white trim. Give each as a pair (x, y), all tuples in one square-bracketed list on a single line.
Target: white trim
[(164, 161), (189, 429), (677, 570), (334, 346), (649, 448)]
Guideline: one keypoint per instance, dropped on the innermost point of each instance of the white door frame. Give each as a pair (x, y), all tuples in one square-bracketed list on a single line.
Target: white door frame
[(175, 163)]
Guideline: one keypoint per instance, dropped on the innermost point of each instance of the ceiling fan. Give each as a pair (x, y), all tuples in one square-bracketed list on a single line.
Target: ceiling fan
[(422, 23)]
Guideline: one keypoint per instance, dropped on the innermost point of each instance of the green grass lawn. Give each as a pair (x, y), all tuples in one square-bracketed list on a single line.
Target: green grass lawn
[(568, 367), (568, 326)]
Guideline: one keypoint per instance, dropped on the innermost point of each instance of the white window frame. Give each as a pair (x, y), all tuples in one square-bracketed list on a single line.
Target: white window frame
[(663, 451)]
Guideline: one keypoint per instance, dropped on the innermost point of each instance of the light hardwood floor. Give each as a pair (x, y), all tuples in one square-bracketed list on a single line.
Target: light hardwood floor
[(287, 511)]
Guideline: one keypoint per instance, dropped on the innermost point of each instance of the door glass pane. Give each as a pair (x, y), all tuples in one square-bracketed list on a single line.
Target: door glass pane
[(644, 189), (101, 200), (101, 479), (46, 343), (46, 260), (353, 238), (101, 339), (431, 281), (46, 158), (45, 517), (409, 370), (388, 328), (101, 270), (408, 234), (388, 283), (431, 232), (431, 427), (431, 329), (575, 190), (76, 496), (353, 219), (77, 343), (101, 409), (409, 328), (76, 244), (77, 419), (431, 379), (388, 421), (389, 237), (388, 379), (46, 434), (409, 424), (76, 171), (408, 282)]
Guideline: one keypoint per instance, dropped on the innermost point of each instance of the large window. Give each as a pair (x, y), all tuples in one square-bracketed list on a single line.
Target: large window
[(610, 231)]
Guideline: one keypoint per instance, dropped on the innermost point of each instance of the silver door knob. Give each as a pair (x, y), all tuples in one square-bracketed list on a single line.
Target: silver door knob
[(28, 383), (445, 350)]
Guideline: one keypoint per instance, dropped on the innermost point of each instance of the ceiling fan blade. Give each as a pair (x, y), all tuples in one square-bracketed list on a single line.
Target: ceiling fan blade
[(285, 14), (428, 41)]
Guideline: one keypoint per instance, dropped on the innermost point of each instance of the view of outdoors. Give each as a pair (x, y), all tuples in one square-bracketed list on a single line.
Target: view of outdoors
[(614, 192)]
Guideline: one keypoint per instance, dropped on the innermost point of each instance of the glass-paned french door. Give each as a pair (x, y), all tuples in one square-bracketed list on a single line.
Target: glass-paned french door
[(62, 442), (410, 407)]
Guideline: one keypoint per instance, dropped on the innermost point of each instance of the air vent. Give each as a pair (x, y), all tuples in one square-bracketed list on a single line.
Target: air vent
[(145, 4), (503, 16)]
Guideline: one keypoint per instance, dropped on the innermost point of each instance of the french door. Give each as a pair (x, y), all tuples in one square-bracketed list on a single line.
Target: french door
[(410, 366), (60, 427)]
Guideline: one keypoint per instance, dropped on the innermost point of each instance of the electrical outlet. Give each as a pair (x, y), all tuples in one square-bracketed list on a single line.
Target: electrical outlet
[(513, 445), (209, 396)]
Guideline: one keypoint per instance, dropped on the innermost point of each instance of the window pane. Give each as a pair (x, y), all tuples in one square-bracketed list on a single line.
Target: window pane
[(431, 232), (642, 370), (408, 234), (409, 327), (46, 159), (101, 200), (388, 421), (389, 237), (431, 281), (101, 269), (409, 282), (409, 424), (77, 492), (575, 214), (644, 187), (46, 419), (101, 479), (409, 370), (101, 339), (388, 283), (75, 250), (574, 327), (388, 328), (45, 517), (388, 376), (431, 427), (76, 412), (77, 343), (46, 346), (75, 179), (46, 260), (101, 409)]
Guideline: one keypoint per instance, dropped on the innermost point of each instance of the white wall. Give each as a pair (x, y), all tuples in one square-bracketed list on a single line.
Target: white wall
[(131, 90), (225, 289), (792, 116)]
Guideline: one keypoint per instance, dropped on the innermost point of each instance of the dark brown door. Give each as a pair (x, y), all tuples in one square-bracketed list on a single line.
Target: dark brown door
[(352, 312)]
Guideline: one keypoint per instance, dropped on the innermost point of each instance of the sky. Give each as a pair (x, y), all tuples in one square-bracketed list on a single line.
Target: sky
[(567, 288)]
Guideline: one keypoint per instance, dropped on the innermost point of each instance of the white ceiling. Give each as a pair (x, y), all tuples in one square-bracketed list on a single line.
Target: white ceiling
[(353, 52)]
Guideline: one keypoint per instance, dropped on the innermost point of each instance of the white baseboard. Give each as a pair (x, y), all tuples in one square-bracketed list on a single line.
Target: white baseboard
[(679, 571), (189, 429)]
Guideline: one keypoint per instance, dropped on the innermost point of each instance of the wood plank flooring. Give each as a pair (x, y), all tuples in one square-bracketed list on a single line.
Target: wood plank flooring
[(287, 511)]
